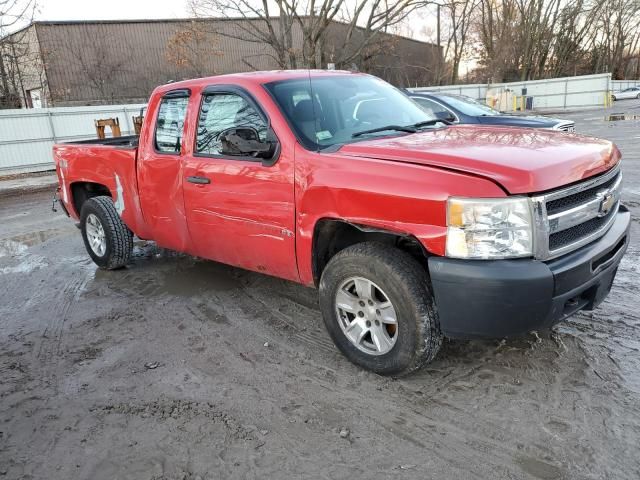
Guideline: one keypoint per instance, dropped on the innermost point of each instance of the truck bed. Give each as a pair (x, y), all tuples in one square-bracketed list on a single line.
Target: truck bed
[(109, 162)]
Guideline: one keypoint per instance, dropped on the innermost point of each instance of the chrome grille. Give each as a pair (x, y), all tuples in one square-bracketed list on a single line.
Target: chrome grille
[(570, 201), (569, 218), (577, 232), (566, 127)]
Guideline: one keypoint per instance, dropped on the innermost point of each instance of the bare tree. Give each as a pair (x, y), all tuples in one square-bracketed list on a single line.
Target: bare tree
[(528, 39), (614, 36), (299, 32), (459, 18), (102, 69), (192, 50), (13, 14)]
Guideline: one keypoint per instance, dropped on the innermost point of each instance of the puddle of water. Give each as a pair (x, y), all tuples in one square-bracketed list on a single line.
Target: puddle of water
[(16, 248), (198, 277), (10, 248), (538, 468), (616, 117), (157, 271), (18, 245), (28, 265)]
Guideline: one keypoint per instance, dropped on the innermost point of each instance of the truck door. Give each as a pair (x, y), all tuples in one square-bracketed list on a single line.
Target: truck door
[(239, 209), (159, 167)]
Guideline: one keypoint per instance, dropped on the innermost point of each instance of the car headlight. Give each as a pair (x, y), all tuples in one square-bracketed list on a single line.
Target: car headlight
[(489, 228)]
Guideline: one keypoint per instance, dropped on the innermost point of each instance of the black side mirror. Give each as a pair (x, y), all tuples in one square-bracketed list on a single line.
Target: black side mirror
[(446, 116), (245, 141)]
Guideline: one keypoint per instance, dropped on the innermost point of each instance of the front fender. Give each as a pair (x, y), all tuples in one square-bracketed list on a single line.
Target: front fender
[(400, 198)]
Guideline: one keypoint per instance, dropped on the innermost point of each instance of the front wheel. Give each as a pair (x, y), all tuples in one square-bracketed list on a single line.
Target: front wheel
[(378, 309), (107, 239)]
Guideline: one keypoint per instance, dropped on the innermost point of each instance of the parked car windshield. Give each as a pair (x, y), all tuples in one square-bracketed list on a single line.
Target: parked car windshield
[(330, 110), (468, 105)]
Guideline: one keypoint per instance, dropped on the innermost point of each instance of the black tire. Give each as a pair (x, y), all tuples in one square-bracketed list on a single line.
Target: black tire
[(613, 97), (406, 284), (119, 239)]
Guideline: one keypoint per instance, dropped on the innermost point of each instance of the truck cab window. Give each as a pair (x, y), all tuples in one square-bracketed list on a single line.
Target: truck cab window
[(170, 124), (220, 112)]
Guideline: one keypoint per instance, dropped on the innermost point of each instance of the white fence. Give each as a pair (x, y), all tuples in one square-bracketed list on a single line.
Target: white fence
[(554, 93), (26, 136), (617, 85)]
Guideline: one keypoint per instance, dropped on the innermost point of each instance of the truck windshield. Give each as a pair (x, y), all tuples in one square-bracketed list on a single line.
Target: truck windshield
[(337, 109)]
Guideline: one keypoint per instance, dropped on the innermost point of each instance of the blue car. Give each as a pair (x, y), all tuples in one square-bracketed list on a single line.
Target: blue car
[(461, 109)]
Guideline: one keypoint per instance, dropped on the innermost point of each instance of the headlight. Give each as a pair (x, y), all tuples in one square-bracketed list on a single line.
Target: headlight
[(489, 228)]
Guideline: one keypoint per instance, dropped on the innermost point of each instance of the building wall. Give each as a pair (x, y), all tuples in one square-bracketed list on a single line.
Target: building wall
[(24, 68), (109, 62)]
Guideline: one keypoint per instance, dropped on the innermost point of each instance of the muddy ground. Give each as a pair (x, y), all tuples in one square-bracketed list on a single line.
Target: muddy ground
[(177, 368)]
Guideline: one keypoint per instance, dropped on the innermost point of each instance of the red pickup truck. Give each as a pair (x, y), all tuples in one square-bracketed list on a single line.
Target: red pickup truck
[(412, 229)]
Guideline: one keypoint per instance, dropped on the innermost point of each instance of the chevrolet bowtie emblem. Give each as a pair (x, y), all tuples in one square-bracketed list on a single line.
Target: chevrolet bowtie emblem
[(606, 204)]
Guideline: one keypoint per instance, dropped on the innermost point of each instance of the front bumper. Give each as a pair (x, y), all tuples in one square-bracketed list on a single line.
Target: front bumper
[(502, 298)]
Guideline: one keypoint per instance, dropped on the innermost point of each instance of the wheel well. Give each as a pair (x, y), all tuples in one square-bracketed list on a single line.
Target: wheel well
[(330, 236), (83, 191)]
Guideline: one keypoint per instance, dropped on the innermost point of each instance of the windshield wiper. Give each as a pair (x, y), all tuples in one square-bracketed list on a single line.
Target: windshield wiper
[(398, 128), (427, 123)]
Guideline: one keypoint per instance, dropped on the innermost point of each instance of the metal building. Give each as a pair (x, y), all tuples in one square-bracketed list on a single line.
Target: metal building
[(73, 63)]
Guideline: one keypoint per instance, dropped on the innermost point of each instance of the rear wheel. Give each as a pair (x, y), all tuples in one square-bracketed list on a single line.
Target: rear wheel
[(378, 309), (107, 239)]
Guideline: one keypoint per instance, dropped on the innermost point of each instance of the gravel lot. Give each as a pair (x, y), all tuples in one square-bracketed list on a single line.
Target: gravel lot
[(176, 368)]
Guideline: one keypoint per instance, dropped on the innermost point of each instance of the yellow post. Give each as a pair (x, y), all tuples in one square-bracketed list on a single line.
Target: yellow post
[(515, 102), (522, 103)]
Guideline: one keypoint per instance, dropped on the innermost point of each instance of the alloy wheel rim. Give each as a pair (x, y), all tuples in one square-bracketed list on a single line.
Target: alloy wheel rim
[(366, 316), (95, 235)]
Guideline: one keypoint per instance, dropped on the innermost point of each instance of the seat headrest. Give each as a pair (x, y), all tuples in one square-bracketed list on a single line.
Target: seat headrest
[(370, 110), (304, 111)]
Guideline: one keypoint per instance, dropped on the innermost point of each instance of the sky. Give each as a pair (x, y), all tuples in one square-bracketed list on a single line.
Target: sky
[(136, 9), (110, 9)]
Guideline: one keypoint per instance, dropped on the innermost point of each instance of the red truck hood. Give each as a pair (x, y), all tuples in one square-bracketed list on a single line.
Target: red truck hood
[(521, 160)]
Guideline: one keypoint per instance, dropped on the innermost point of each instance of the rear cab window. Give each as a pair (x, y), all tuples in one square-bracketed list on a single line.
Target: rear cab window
[(170, 123)]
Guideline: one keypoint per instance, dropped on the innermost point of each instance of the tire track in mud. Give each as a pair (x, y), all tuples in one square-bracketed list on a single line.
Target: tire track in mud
[(48, 349), (200, 306), (467, 451), (469, 437), (412, 426), (308, 338)]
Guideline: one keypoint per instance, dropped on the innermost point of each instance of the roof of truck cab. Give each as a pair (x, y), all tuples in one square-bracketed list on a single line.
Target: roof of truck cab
[(258, 78)]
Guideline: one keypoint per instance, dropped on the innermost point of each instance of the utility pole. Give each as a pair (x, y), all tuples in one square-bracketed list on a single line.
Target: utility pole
[(23, 93), (438, 70), (438, 25), (3, 74)]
